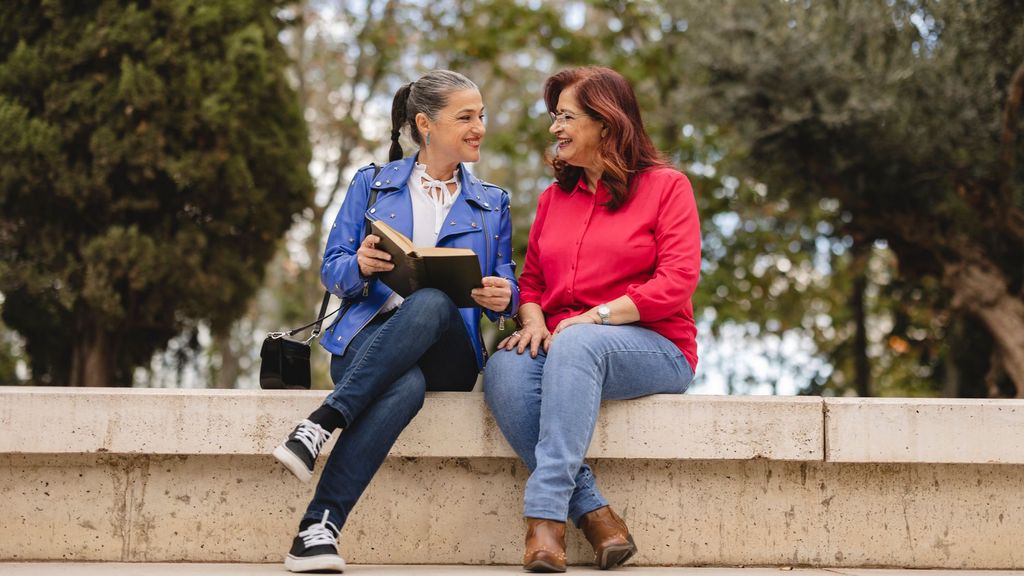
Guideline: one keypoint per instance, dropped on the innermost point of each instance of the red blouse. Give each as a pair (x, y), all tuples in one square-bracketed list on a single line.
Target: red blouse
[(581, 255)]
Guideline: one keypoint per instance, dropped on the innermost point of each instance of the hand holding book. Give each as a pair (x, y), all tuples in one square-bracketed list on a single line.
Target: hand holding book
[(454, 271), (495, 294), (370, 260)]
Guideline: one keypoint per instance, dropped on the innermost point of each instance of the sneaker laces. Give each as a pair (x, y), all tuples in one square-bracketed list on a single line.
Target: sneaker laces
[(311, 435), (319, 534)]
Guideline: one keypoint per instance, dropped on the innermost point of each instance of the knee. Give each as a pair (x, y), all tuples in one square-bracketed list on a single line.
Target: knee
[(504, 378), (578, 341), (429, 299), (428, 308)]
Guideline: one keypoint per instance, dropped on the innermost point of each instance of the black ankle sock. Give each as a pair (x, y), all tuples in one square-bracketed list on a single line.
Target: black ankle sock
[(328, 418)]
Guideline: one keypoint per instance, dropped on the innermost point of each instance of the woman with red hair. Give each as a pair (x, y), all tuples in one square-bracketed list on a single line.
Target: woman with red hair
[(605, 308)]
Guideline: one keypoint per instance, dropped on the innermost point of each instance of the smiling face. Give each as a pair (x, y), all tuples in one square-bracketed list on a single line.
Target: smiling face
[(456, 133), (579, 135)]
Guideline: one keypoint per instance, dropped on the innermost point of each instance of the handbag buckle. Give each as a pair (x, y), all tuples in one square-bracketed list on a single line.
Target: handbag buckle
[(276, 335)]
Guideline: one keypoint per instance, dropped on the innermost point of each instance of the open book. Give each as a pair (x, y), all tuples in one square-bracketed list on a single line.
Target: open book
[(454, 271)]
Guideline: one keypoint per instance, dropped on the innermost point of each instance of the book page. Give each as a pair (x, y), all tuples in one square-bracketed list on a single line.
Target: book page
[(441, 251), (400, 240)]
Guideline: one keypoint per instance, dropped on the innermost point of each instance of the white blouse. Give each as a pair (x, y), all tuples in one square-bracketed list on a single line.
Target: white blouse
[(431, 202)]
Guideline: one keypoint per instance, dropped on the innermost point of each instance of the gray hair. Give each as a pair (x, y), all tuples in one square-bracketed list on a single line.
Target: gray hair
[(428, 95)]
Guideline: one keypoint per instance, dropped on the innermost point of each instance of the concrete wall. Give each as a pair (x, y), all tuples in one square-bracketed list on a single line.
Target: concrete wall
[(156, 475)]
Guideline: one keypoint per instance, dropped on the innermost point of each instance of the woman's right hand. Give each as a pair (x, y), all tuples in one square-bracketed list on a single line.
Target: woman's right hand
[(370, 260), (533, 334)]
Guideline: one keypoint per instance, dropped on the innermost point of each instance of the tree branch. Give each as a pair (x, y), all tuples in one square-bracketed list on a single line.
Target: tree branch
[(1008, 150), (1013, 217)]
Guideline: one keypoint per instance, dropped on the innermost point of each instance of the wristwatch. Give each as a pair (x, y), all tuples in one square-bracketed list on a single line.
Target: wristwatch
[(605, 313)]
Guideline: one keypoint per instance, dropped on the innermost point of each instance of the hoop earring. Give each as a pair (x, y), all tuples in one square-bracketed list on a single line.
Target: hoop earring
[(428, 138)]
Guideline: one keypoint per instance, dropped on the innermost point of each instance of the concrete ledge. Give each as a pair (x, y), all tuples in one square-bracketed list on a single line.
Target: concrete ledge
[(924, 430), (451, 424), (186, 476)]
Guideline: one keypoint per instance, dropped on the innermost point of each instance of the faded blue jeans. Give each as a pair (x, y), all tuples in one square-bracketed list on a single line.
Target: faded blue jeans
[(547, 406), (379, 386)]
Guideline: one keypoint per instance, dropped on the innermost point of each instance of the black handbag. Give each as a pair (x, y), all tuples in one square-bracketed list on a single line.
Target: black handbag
[(284, 363)]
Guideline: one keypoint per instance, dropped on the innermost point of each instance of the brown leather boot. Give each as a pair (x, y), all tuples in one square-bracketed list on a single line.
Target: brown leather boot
[(545, 546), (608, 534)]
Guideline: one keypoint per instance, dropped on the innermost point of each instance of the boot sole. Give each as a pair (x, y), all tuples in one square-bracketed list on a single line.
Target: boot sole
[(294, 465), (328, 563), (542, 566), (617, 555)]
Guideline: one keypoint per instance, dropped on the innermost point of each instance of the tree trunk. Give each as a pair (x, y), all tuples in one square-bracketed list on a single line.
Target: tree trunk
[(92, 359), (861, 364), (226, 375), (996, 374), (952, 373), (981, 289)]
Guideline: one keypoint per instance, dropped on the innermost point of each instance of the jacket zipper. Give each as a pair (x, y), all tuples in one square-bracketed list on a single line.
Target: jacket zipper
[(487, 255)]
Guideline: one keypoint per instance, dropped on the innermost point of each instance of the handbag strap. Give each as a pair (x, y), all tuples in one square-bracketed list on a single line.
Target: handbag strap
[(323, 315)]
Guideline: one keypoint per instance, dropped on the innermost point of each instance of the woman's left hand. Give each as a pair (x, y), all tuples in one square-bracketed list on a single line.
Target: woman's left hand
[(495, 295), (588, 317)]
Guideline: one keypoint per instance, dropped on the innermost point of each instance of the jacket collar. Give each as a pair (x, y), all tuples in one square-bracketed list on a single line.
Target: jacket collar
[(394, 176)]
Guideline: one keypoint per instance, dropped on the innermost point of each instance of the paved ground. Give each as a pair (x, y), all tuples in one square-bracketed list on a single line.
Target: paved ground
[(117, 569)]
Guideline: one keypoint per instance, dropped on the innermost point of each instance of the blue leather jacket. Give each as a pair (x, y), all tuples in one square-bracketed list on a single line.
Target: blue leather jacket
[(479, 220)]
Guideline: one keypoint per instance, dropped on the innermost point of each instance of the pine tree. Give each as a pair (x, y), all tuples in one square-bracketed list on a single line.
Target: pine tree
[(152, 154)]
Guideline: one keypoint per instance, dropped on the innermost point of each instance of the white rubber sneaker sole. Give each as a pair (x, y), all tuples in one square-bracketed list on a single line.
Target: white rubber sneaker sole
[(315, 563), (294, 464)]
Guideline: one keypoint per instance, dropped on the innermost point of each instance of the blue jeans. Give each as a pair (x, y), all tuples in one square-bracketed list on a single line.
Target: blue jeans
[(547, 406), (379, 386)]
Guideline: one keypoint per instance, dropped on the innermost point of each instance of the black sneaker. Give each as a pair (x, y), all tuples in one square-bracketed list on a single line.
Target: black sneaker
[(315, 549), (299, 451)]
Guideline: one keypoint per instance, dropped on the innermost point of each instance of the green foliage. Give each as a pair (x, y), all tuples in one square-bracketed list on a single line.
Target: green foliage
[(834, 148), (152, 155), (893, 112), (842, 153)]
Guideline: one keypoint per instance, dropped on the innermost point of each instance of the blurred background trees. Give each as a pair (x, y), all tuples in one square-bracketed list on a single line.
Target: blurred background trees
[(856, 166), (153, 154)]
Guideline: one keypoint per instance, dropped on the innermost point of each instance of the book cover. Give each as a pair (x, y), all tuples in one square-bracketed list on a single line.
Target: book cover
[(454, 271)]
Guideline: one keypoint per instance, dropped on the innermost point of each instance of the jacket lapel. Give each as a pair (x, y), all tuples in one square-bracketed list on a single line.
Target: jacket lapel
[(463, 217), (393, 205)]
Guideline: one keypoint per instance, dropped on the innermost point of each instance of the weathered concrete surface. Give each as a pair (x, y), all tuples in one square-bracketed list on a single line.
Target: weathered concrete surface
[(451, 424), (178, 569), (924, 430), (184, 475), (760, 512)]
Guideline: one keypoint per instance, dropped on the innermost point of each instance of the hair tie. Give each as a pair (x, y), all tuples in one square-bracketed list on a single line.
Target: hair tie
[(395, 134)]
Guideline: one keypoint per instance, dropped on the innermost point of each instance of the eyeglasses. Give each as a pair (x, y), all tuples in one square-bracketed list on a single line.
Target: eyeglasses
[(563, 118)]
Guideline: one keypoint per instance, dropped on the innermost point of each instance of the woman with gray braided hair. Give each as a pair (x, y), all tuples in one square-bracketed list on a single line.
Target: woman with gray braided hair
[(388, 351)]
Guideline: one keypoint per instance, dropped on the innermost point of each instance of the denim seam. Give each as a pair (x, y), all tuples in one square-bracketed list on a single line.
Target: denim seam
[(593, 390), (601, 357), (360, 362), (677, 357), (346, 381)]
